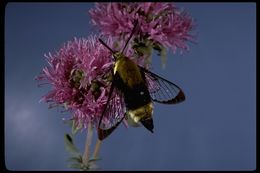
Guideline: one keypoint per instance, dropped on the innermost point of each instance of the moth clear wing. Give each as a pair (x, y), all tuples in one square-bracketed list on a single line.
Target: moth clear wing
[(113, 113), (162, 90)]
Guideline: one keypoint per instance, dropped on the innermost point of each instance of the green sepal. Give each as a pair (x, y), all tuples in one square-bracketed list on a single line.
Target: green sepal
[(161, 52), (69, 122), (75, 128), (142, 48), (65, 105)]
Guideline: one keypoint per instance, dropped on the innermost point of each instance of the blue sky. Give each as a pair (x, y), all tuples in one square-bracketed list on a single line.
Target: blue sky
[(214, 129)]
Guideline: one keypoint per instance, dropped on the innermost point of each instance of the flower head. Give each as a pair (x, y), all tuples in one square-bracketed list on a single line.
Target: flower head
[(78, 74), (160, 24)]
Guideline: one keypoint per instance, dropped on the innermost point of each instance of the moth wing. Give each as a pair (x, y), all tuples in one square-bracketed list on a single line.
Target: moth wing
[(113, 113), (162, 90)]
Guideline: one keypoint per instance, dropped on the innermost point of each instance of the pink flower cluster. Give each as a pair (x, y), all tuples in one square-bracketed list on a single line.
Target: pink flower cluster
[(160, 23), (78, 76), (79, 71)]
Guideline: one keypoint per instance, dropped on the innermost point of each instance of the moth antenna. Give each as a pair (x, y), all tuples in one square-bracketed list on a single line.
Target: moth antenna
[(104, 44), (132, 33)]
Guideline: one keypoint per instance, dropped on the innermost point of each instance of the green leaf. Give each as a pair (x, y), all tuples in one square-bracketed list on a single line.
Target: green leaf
[(90, 166), (70, 147), (94, 159), (75, 159), (76, 165), (93, 166)]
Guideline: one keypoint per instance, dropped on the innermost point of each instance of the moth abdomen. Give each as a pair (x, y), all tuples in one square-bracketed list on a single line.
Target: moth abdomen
[(137, 96)]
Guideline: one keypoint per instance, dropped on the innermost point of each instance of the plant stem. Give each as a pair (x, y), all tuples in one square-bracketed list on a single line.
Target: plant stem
[(97, 148), (125, 123), (88, 143)]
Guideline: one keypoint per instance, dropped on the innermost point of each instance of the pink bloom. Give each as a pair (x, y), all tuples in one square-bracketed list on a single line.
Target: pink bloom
[(77, 74), (160, 23)]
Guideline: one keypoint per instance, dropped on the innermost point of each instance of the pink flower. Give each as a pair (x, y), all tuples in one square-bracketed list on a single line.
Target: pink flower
[(160, 23), (78, 76)]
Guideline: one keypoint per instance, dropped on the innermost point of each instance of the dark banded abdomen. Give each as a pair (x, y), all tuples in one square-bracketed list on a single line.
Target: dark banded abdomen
[(137, 97), (138, 102)]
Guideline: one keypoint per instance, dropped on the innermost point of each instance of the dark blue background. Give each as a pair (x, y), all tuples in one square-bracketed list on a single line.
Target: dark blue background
[(214, 129)]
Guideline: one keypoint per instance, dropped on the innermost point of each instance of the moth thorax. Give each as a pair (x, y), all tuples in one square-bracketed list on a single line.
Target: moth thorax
[(118, 55), (141, 113)]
